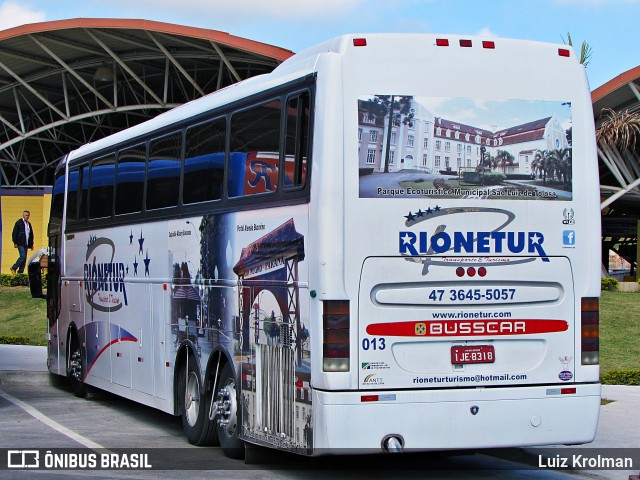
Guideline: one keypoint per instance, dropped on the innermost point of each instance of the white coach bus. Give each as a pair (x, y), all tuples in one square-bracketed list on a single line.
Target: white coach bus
[(389, 243)]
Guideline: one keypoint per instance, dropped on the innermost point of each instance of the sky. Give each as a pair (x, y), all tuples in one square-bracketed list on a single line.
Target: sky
[(608, 26)]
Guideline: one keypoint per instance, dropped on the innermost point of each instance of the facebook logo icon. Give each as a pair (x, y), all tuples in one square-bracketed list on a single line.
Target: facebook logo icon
[(569, 238)]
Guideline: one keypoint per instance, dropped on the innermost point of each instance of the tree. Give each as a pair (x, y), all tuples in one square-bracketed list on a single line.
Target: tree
[(538, 165), (397, 108), (562, 165), (503, 158), (585, 50), (619, 129)]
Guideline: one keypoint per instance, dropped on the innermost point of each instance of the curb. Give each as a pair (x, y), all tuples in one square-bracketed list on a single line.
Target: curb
[(22, 378)]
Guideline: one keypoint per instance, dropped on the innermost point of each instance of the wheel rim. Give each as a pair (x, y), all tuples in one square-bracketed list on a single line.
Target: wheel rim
[(192, 399), (75, 365), (227, 408)]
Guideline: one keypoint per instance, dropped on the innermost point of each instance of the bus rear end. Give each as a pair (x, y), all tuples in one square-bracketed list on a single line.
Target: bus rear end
[(459, 291)]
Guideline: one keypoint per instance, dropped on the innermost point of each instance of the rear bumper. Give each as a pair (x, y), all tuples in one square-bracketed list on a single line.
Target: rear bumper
[(444, 419)]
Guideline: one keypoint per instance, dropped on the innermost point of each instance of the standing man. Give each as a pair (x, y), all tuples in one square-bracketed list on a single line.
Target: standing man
[(22, 239)]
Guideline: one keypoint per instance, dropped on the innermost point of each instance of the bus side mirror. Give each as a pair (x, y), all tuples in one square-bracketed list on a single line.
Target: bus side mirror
[(34, 270)]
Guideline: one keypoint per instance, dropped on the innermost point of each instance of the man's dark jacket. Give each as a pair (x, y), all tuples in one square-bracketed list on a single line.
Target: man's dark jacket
[(18, 235)]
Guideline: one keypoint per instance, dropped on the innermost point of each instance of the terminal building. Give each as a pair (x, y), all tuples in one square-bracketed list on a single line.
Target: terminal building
[(66, 83)]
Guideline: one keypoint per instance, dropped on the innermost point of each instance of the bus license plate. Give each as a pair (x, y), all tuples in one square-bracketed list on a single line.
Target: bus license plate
[(461, 355)]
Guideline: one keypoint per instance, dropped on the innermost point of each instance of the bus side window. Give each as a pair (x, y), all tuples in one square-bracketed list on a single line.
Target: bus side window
[(72, 195), (163, 175), (297, 141), (101, 189), (83, 196), (57, 198), (254, 155), (130, 180), (204, 162)]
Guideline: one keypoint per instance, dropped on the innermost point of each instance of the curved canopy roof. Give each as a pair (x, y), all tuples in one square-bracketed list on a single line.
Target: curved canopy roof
[(620, 93), (615, 104), (65, 83), (616, 108)]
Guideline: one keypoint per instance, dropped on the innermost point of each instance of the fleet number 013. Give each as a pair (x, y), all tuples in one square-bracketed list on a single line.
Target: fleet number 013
[(472, 294)]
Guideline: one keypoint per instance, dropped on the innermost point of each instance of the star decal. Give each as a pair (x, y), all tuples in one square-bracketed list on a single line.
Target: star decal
[(147, 260), (421, 214), (135, 266), (131, 238), (141, 241)]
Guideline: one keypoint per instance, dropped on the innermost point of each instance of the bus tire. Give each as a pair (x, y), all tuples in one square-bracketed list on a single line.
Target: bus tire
[(229, 415), (76, 367), (194, 407)]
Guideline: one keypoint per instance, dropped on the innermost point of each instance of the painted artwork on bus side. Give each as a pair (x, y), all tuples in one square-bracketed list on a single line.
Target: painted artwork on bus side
[(446, 147), (236, 284)]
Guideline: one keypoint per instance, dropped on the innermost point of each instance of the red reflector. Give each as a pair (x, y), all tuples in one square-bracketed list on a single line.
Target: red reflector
[(359, 42), (369, 398), (466, 43), (488, 44), (471, 271), (460, 271), (567, 391), (442, 42), (482, 271), (564, 52)]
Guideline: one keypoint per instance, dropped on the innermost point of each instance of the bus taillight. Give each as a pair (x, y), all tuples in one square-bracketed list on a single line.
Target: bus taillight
[(590, 332), (335, 340)]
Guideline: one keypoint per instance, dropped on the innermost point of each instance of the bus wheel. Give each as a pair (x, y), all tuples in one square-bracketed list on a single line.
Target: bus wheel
[(198, 429), (76, 368), (228, 415)]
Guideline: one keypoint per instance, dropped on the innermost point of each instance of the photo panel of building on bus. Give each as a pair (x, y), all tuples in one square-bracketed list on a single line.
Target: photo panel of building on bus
[(446, 147), (237, 280)]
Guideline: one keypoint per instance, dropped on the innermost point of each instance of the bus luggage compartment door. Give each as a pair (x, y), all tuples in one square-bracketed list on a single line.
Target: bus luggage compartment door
[(433, 322)]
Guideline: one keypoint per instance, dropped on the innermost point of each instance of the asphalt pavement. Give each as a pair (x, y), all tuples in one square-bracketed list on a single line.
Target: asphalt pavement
[(618, 429)]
